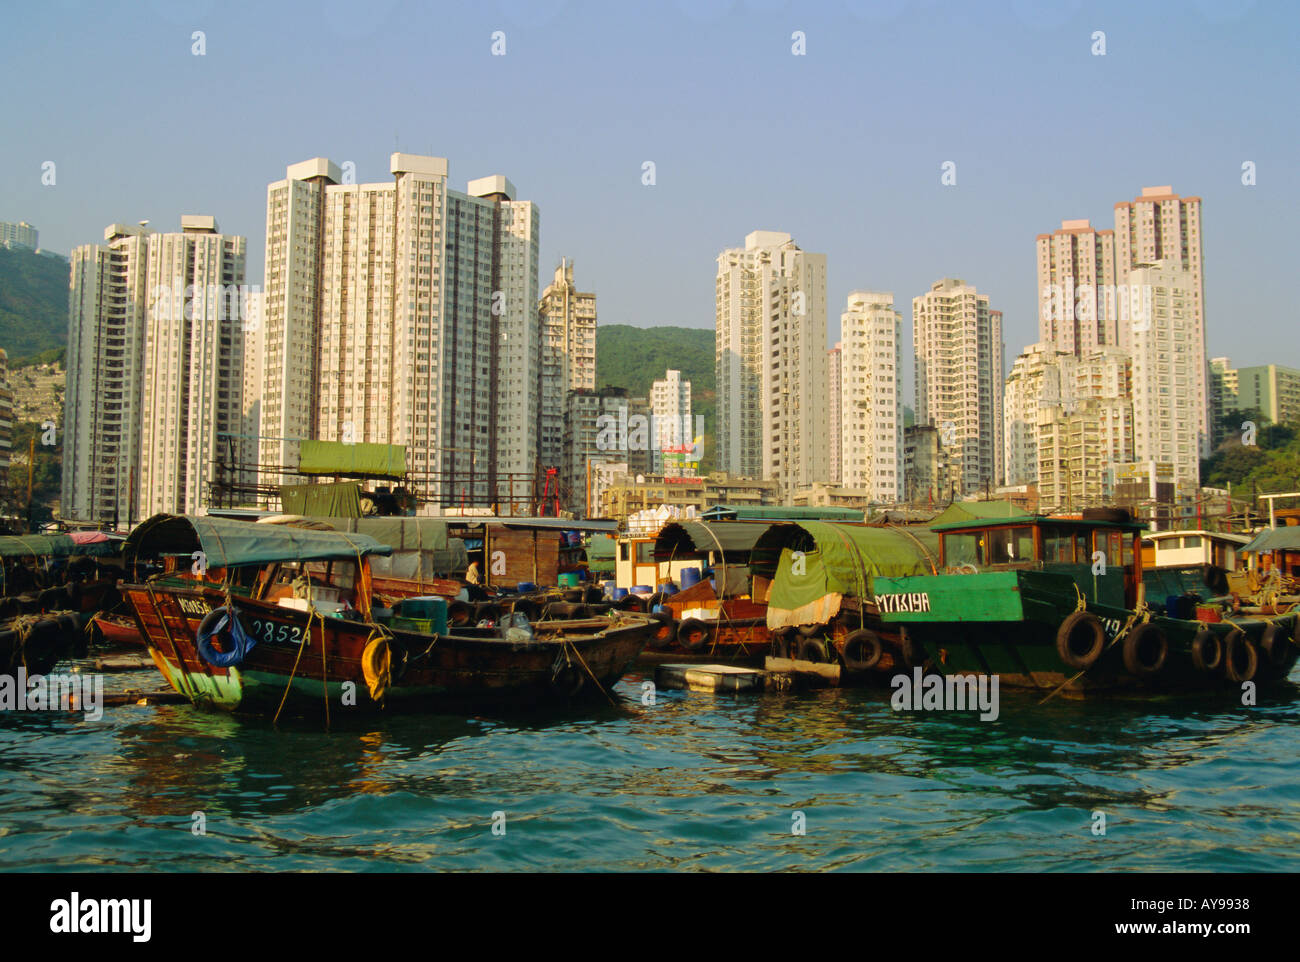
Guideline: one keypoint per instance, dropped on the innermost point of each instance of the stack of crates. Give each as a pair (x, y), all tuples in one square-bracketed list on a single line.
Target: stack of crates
[(427, 615)]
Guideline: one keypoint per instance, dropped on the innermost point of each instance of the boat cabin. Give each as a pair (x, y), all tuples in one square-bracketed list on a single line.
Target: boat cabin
[(1086, 548), (1193, 549)]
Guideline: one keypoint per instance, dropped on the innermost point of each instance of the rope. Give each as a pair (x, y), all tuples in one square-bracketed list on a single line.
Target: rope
[(569, 645), (1119, 636), (292, 672)]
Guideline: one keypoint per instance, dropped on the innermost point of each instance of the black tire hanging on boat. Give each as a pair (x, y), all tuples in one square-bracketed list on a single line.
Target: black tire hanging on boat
[(528, 608), (780, 642), (1207, 651), (913, 651), (693, 634), (664, 632), (1215, 578), (815, 650), (1145, 650), (568, 679), (631, 603), (862, 650), (1240, 659), (459, 613), (1080, 626), (812, 631), (1275, 645)]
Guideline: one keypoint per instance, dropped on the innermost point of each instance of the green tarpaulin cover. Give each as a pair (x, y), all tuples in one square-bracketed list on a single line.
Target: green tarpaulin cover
[(228, 543), (1276, 539), (421, 546), (978, 511), (341, 500), (809, 586), (335, 457)]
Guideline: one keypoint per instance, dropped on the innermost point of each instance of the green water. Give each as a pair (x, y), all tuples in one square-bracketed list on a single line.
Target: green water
[(693, 782)]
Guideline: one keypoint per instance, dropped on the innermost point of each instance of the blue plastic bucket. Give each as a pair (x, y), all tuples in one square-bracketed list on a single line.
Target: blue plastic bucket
[(690, 577), (668, 589), (620, 594), (524, 587)]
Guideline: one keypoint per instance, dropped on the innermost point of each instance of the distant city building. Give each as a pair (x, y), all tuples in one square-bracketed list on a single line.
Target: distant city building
[(835, 428), (1271, 389), (1078, 307), (405, 312), (22, 235), (1078, 448), (1034, 381), (871, 407), (1162, 227), (1169, 374), (925, 471), (771, 362), (957, 339), (567, 318), (1223, 397), (602, 427), (627, 495), (674, 427), (155, 370)]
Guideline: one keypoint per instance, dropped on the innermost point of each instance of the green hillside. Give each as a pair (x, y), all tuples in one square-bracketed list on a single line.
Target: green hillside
[(33, 302), (634, 357)]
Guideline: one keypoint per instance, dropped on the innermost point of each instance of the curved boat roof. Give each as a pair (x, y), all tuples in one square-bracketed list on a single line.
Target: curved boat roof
[(228, 544)]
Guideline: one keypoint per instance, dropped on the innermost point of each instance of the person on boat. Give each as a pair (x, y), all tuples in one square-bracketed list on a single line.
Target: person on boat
[(472, 575)]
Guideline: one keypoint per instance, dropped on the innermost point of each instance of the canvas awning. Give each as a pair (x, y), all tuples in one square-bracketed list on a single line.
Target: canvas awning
[(228, 543), (335, 457), (425, 548), (341, 500), (1276, 539), (814, 565)]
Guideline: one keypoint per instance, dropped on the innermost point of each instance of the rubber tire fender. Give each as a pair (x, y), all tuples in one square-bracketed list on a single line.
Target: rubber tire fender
[(1236, 642), (862, 650), (692, 626), (781, 642), (1275, 645), (816, 651), (1207, 651), (1068, 631), (664, 632), (1135, 644)]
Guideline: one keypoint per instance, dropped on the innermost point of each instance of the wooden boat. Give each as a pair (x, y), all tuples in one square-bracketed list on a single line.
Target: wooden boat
[(1059, 603), (310, 640), (37, 642)]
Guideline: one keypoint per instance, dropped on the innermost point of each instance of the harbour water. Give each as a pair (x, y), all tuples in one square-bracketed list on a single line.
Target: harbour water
[(692, 782)]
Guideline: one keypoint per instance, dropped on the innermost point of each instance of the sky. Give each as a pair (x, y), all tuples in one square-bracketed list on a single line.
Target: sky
[(842, 146)]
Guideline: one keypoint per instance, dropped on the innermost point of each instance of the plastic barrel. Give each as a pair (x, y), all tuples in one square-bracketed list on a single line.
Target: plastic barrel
[(642, 590), (690, 577), (668, 589), (569, 579), (525, 587), (619, 594)]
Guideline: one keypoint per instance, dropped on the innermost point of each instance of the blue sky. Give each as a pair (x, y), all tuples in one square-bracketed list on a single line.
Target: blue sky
[(841, 147)]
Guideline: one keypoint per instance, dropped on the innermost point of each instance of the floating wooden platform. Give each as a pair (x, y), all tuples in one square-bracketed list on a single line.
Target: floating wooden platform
[(122, 662), (779, 674)]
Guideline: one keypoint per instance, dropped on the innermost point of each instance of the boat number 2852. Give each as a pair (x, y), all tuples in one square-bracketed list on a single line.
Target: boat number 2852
[(274, 632)]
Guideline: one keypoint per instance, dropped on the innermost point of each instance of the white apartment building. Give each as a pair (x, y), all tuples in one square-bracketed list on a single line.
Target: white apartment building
[(834, 427), (405, 312), (108, 302), (567, 320), (291, 313), (1169, 373), (670, 405), (871, 407), (21, 234), (192, 375), (155, 370), (1078, 307), (958, 381), (1162, 226), (1034, 382), (770, 300)]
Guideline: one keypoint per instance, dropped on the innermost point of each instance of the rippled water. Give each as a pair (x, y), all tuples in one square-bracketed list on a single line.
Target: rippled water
[(694, 782)]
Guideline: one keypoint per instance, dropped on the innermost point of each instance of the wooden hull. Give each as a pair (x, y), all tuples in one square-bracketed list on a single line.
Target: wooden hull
[(471, 669), (118, 629), (1005, 623), (38, 642)]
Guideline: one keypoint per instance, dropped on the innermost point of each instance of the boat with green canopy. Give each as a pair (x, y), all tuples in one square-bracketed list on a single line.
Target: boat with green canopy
[(817, 579), (1059, 603), (265, 619)]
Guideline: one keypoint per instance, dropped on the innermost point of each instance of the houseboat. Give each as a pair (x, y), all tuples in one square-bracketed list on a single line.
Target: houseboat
[(282, 619), (1053, 603)]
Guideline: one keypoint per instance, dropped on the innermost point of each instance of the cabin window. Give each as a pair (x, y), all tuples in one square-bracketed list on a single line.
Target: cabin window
[(645, 552), (1192, 541), (1010, 545), (965, 548), (623, 554), (1058, 545)]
